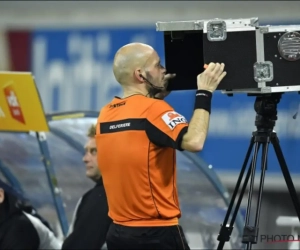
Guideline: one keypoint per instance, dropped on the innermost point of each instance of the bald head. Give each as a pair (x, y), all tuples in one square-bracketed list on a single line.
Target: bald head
[(128, 58)]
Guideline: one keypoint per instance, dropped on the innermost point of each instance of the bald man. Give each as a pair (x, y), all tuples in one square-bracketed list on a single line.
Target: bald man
[(136, 55), (137, 136)]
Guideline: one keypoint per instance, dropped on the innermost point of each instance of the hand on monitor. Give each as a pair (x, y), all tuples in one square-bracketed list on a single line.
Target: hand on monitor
[(211, 77)]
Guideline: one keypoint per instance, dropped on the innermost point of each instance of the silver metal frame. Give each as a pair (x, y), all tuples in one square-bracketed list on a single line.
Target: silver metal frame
[(180, 25), (233, 25), (260, 54), (264, 90), (279, 28)]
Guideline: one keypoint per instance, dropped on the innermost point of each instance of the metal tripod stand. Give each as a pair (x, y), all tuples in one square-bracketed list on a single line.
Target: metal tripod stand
[(266, 115)]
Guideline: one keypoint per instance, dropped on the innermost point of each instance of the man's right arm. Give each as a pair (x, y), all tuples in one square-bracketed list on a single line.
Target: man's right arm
[(193, 140)]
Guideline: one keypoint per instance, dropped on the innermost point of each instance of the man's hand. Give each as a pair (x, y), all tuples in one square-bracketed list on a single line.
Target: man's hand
[(164, 93), (211, 77)]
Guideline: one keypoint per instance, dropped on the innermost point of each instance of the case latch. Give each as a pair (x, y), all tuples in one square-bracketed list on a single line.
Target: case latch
[(216, 30), (263, 71)]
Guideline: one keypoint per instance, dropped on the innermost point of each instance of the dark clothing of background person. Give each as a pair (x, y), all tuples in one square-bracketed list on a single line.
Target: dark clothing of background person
[(21, 227), (16, 230), (91, 221)]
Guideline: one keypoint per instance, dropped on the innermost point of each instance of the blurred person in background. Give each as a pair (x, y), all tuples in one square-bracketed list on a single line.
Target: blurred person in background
[(21, 227), (90, 220), (137, 137)]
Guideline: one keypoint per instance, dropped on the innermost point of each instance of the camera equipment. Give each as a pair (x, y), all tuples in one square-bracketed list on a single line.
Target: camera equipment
[(262, 61), (265, 107), (258, 59)]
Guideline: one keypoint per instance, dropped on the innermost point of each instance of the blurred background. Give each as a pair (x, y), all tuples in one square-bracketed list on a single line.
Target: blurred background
[(69, 47)]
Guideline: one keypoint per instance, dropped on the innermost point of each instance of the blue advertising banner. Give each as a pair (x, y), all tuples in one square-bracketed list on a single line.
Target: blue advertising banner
[(73, 70), (73, 67)]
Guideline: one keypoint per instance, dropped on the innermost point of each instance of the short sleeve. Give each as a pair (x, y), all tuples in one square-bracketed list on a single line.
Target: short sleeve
[(165, 127)]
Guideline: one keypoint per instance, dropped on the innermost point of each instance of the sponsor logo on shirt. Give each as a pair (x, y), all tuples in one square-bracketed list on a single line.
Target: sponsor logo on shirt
[(172, 119), (117, 105)]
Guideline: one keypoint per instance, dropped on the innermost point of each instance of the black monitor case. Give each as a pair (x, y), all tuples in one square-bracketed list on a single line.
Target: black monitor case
[(190, 44)]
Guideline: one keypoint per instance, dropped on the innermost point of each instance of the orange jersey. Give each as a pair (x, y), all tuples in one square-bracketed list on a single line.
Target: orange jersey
[(137, 138)]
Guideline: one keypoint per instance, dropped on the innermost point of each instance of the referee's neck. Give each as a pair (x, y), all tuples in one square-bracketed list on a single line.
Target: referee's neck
[(133, 91)]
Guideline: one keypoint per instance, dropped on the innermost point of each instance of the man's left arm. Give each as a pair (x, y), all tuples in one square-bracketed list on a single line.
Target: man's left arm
[(165, 127)]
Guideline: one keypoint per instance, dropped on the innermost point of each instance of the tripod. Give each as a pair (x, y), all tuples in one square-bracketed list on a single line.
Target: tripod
[(266, 115)]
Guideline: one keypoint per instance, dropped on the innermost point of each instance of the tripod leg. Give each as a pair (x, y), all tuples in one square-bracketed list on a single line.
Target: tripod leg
[(225, 231), (237, 207), (252, 232), (247, 229), (261, 184), (286, 174)]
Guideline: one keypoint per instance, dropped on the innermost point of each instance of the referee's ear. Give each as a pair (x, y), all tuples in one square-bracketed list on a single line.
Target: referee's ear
[(139, 76)]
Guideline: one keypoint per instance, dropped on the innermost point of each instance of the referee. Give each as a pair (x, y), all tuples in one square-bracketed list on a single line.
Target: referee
[(137, 136)]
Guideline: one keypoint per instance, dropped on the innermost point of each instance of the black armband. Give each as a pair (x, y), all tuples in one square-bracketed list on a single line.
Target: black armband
[(203, 100)]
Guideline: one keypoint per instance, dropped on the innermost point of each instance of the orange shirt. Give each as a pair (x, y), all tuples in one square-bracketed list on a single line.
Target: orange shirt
[(137, 138)]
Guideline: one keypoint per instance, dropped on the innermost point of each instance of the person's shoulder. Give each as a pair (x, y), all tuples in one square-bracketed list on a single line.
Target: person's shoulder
[(87, 193), (152, 105), (21, 223), (114, 100), (95, 189), (34, 221), (140, 103), (145, 101), (159, 104), (20, 220), (46, 236), (20, 233)]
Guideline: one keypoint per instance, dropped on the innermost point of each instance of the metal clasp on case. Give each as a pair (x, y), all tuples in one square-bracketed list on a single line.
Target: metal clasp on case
[(263, 71), (216, 30)]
